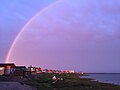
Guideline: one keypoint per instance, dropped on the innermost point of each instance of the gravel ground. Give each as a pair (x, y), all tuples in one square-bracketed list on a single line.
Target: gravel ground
[(14, 86)]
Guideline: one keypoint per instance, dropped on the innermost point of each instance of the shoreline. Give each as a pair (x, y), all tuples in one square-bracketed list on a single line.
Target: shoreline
[(106, 82), (44, 81), (71, 82), (102, 80)]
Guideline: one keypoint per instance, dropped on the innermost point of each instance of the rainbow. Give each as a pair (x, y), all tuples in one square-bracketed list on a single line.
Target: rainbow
[(27, 24)]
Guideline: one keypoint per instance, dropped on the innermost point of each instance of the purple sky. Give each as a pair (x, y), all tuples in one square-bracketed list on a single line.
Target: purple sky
[(13, 16), (74, 34)]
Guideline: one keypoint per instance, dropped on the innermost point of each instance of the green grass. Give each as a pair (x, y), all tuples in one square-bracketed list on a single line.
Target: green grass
[(71, 82)]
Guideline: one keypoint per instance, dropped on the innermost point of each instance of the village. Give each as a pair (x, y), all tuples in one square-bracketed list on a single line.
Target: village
[(13, 77), (22, 77), (12, 70)]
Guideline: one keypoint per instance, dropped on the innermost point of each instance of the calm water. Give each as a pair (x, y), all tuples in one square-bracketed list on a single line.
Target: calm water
[(107, 78)]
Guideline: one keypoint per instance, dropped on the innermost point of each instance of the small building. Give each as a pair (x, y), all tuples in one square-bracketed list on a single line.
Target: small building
[(50, 71), (45, 70), (57, 71), (7, 69), (71, 71), (20, 71), (31, 70), (38, 70), (65, 71)]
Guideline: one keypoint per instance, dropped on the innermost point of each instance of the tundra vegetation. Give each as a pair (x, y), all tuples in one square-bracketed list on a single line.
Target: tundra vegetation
[(69, 82)]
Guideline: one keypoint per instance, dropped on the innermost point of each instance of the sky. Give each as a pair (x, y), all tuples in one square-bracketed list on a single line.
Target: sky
[(82, 35), (13, 15)]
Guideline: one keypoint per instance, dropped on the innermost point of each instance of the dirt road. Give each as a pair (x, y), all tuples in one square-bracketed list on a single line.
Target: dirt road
[(14, 86)]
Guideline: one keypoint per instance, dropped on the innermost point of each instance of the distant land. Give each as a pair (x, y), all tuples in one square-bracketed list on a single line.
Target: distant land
[(103, 73)]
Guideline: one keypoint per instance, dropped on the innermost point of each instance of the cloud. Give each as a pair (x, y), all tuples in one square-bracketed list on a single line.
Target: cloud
[(13, 15), (74, 34)]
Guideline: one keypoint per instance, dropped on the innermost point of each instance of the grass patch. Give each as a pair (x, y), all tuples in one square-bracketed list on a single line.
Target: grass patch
[(70, 82)]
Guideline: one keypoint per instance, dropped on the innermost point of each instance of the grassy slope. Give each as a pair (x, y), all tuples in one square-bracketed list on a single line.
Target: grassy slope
[(71, 82)]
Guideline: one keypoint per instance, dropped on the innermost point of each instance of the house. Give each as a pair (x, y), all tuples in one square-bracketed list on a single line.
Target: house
[(38, 70), (65, 71), (50, 71), (45, 70), (57, 71), (71, 71), (7, 69), (20, 71), (31, 70)]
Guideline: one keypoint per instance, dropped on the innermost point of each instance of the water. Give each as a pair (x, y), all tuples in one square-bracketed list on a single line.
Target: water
[(106, 78)]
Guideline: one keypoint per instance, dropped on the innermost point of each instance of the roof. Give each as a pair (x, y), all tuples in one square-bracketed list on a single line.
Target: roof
[(7, 64), (20, 67)]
